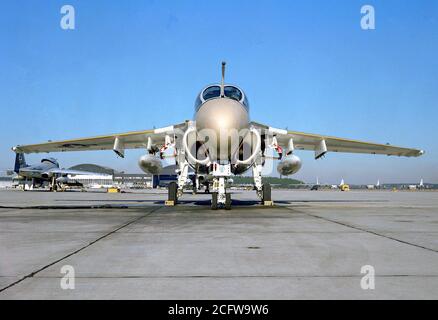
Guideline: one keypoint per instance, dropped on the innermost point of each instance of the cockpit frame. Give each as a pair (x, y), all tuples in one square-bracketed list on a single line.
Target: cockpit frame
[(50, 160), (200, 98)]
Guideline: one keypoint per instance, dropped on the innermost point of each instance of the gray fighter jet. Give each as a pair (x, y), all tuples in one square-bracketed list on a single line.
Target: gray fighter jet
[(47, 170)]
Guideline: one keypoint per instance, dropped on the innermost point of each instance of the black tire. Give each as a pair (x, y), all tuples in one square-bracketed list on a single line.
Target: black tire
[(228, 201), (172, 192), (214, 201), (266, 192)]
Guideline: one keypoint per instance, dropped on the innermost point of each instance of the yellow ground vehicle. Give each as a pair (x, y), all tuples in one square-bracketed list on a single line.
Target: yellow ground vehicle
[(344, 187)]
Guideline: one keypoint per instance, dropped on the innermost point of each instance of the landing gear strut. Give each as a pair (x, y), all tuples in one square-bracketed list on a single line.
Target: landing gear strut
[(263, 189), (54, 185), (176, 189)]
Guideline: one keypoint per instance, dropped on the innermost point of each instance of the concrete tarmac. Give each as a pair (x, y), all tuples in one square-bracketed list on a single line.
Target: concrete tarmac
[(310, 245)]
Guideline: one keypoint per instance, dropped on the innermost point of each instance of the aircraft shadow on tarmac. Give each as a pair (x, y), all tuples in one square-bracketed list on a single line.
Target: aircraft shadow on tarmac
[(234, 201), (194, 202), (133, 203)]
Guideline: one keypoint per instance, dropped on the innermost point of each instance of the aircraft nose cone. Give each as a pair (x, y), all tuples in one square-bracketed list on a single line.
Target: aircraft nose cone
[(221, 114), (219, 123)]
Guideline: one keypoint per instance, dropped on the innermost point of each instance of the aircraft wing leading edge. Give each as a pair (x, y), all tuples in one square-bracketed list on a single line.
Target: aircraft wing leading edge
[(117, 142), (321, 144)]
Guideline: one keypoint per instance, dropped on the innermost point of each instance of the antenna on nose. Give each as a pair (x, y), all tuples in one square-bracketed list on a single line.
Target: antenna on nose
[(223, 79)]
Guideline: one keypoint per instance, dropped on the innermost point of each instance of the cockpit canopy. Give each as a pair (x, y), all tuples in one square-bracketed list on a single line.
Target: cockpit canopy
[(50, 160), (214, 92)]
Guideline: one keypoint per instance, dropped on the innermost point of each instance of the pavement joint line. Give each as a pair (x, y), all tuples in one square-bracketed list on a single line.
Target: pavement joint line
[(369, 231), (224, 232), (32, 274), (243, 276), (69, 207)]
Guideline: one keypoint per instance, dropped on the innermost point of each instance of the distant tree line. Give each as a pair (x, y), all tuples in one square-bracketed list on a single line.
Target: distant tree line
[(275, 182)]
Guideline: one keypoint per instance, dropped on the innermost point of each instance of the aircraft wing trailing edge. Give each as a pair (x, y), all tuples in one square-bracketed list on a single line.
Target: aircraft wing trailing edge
[(322, 144)]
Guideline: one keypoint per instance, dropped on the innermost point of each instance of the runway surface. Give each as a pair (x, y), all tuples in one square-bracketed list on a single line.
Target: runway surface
[(310, 245)]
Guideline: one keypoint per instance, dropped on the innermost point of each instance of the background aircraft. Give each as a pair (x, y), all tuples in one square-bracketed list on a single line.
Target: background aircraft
[(46, 171), (219, 142), (374, 186), (419, 186)]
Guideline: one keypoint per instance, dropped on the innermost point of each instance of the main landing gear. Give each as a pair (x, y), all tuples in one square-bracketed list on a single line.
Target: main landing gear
[(220, 198), (263, 189), (266, 194), (172, 194), (53, 185)]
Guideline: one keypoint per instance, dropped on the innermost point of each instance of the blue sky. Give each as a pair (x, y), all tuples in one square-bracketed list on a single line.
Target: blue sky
[(305, 65)]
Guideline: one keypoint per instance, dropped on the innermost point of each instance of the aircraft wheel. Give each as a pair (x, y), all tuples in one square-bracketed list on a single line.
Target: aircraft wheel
[(266, 192), (214, 201), (228, 201), (172, 192)]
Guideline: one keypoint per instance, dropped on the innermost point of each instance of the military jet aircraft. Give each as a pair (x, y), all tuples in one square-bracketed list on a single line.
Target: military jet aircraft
[(47, 170), (219, 142)]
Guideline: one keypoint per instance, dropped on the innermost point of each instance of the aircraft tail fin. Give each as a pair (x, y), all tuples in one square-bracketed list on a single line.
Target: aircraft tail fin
[(20, 162)]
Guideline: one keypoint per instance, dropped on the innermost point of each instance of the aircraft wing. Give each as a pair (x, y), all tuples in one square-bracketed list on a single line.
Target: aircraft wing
[(72, 172), (322, 144), (117, 142)]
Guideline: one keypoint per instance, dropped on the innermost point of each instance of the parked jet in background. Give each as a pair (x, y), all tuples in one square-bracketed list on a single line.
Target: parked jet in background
[(374, 186), (47, 170), (415, 186)]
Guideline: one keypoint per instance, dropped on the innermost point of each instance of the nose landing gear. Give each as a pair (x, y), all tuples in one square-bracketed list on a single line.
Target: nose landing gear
[(220, 197), (216, 205)]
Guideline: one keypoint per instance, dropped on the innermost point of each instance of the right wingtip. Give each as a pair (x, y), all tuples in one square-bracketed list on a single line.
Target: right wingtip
[(418, 153)]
